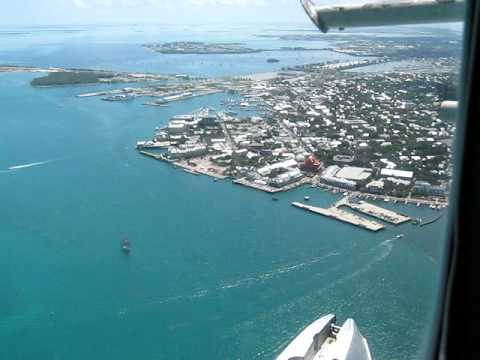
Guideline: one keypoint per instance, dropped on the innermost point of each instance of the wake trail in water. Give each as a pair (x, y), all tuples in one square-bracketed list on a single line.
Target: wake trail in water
[(24, 166), (247, 281), (386, 249), (276, 272), (32, 164), (375, 255)]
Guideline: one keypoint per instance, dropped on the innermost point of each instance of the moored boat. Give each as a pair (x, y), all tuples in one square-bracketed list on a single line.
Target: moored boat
[(126, 247)]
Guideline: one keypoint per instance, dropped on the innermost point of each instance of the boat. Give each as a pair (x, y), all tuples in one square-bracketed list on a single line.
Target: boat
[(273, 60), (275, 199), (416, 221), (120, 97), (306, 198), (193, 172), (323, 339), (126, 248), (399, 236)]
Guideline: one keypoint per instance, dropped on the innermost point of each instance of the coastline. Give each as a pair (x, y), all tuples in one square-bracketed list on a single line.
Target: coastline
[(261, 76)]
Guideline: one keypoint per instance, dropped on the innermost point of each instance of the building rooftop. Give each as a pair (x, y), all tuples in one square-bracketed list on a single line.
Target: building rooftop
[(354, 173)]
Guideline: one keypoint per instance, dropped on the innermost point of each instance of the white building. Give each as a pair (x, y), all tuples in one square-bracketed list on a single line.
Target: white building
[(401, 174), (354, 173), (287, 178), (267, 170)]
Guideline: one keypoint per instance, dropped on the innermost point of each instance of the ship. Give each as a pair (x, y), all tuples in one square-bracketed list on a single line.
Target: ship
[(273, 60), (126, 248), (323, 339), (120, 97)]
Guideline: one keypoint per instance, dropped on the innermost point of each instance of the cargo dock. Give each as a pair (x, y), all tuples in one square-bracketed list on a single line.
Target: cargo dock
[(375, 211), (336, 213)]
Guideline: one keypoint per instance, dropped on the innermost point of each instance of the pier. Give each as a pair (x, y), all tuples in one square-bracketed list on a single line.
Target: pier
[(152, 155), (338, 214), (374, 211)]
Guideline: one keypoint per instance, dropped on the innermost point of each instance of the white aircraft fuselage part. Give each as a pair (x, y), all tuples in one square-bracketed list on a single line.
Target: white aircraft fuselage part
[(384, 13)]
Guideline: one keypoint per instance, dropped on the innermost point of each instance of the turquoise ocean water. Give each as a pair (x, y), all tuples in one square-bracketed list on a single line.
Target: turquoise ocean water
[(217, 271)]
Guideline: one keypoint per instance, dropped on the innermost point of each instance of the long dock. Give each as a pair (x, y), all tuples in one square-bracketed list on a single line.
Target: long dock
[(341, 215), (374, 211), (152, 155)]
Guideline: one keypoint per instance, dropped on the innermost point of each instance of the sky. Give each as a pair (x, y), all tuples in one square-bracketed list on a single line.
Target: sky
[(66, 12)]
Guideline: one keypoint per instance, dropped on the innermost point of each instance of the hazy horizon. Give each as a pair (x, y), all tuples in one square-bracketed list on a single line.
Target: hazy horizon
[(117, 12)]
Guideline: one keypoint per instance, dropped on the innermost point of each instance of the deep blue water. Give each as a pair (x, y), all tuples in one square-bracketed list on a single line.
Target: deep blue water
[(217, 271)]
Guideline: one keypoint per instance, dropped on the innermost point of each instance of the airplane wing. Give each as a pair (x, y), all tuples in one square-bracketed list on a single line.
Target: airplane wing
[(396, 12)]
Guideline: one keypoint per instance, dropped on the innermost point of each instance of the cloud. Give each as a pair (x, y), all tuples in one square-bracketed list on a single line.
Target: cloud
[(85, 4), (80, 4), (243, 3)]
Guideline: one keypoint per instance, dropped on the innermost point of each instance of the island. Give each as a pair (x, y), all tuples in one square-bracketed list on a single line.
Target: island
[(59, 76), (197, 47), (72, 78)]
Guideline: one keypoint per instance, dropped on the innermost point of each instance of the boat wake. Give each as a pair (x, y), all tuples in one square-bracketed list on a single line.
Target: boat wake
[(309, 300), (273, 273), (386, 248), (33, 164), (248, 281)]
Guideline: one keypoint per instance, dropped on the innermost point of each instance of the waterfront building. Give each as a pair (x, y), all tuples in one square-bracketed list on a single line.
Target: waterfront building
[(427, 189), (339, 182), (287, 178), (375, 187), (267, 170), (357, 174)]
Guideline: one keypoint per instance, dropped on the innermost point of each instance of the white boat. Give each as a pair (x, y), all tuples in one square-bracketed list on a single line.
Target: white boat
[(307, 198), (324, 340)]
